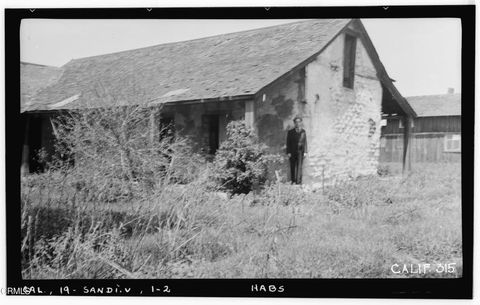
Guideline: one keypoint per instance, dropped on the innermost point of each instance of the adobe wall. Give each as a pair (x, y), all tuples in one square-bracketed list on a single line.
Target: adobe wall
[(190, 122), (342, 124), (274, 112)]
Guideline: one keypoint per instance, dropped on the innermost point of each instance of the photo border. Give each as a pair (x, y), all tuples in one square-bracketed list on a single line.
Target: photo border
[(455, 288)]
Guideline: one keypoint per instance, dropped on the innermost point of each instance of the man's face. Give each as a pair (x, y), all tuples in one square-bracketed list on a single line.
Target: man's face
[(298, 123)]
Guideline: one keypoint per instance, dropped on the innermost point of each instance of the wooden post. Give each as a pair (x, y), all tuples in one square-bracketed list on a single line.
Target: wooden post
[(250, 113), (407, 143), (153, 125), (25, 167)]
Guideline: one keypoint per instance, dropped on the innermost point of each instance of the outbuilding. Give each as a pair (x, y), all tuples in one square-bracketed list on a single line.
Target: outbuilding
[(436, 132)]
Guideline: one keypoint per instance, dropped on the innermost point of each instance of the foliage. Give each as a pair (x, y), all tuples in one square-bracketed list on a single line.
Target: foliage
[(241, 163), (285, 194), (116, 155), (383, 170), (185, 231), (364, 191)]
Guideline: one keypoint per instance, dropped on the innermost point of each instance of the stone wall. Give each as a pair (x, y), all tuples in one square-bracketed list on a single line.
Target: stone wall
[(342, 124)]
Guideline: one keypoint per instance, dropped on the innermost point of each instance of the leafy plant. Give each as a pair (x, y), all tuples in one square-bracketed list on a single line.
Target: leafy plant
[(241, 163)]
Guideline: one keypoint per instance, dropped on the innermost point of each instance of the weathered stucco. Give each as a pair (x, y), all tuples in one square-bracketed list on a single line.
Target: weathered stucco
[(274, 112), (190, 120), (342, 124), (275, 109)]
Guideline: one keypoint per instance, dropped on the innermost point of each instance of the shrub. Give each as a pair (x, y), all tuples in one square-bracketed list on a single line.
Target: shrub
[(241, 162), (384, 170), (117, 155)]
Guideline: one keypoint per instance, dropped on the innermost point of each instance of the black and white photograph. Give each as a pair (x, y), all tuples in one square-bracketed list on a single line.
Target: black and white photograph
[(263, 148)]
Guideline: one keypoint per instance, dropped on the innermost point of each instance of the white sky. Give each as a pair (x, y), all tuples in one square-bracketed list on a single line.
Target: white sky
[(422, 55)]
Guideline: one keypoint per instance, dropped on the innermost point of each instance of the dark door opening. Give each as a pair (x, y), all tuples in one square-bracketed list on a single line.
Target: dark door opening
[(212, 126), (35, 143), (167, 128)]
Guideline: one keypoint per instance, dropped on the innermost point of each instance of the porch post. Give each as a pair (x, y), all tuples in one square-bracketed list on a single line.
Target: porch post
[(153, 125), (25, 167), (407, 143), (250, 113)]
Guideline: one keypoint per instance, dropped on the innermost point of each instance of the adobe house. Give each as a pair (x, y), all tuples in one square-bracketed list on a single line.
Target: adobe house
[(325, 70), (436, 132)]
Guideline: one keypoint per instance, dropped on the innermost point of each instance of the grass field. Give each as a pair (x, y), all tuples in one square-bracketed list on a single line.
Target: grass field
[(358, 229)]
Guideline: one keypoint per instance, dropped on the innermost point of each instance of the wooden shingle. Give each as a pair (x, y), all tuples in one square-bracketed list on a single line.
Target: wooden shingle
[(223, 66)]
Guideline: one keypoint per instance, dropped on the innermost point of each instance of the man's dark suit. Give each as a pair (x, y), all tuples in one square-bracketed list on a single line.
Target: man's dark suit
[(296, 147)]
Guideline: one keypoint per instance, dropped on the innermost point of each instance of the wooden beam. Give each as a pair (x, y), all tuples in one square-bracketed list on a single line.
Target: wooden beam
[(407, 144), (250, 113), (153, 125)]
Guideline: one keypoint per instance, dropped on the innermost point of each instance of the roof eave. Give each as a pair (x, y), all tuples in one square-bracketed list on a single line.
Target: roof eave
[(381, 71), (242, 97)]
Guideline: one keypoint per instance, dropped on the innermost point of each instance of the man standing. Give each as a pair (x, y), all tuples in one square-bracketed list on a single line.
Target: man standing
[(296, 149)]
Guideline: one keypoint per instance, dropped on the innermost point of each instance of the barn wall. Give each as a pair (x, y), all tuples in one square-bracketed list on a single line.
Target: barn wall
[(426, 147), (426, 124), (428, 140), (342, 124)]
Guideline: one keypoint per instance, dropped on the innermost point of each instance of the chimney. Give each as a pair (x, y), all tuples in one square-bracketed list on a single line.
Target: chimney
[(450, 91)]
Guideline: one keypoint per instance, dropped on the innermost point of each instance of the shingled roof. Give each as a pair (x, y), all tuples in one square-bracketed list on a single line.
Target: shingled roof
[(436, 105), (222, 67), (33, 78), (228, 65)]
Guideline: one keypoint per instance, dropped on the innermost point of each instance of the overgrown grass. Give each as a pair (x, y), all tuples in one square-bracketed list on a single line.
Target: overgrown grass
[(357, 229)]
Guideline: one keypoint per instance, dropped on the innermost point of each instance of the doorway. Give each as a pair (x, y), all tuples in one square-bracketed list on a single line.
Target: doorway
[(35, 144), (211, 124), (167, 128)]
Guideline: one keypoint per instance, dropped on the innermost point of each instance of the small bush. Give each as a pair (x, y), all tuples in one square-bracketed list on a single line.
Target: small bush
[(241, 162), (384, 170)]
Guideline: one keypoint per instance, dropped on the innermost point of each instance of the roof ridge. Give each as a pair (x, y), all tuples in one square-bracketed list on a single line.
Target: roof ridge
[(200, 38)]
